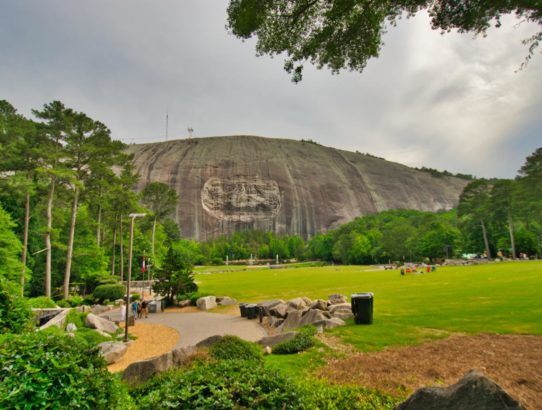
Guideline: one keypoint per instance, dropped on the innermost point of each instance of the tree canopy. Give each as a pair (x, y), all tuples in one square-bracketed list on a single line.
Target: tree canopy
[(345, 34)]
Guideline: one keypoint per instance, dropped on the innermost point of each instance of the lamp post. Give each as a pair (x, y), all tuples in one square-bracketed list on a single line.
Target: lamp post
[(132, 217)]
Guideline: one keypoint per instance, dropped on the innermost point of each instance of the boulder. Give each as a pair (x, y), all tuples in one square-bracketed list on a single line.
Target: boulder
[(59, 320), (211, 340), (274, 321), (268, 305), (112, 351), (279, 310), (206, 303), (312, 316), (340, 306), (473, 392), (70, 327), (298, 303), (342, 314), (99, 323), (184, 303), (99, 309), (139, 372), (301, 318), (226, 300), (101, 332), (319, 304), (274, 340), (307, 301), (337, 298), (329, 323)]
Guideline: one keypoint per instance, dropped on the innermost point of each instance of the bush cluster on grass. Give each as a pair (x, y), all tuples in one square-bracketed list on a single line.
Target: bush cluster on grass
[(318, 394), (192, 296), (234, 348), (72, 301), (225, 384), (15, 313), (109, 292), (42, 302), (48, 369), (302, 341)]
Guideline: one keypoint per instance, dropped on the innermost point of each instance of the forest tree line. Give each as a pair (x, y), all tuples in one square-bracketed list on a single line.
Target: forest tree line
[(66, 190)]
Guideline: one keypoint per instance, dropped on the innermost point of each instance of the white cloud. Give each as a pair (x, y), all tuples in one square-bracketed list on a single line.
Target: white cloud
[(448, 102)]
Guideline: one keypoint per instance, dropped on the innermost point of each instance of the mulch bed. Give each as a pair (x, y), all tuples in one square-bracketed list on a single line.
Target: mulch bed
[(512, 361)]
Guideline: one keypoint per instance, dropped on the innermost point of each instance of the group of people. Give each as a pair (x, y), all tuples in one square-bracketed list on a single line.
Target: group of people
[(140, 308)]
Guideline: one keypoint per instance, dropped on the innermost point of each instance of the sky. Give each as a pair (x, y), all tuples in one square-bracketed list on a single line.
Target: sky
[(451, 102)]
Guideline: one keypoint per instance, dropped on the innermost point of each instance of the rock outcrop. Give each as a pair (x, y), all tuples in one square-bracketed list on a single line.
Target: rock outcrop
[(473, 392), (243, 182)]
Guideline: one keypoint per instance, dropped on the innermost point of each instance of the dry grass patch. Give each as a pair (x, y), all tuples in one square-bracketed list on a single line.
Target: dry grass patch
[(512, 361)]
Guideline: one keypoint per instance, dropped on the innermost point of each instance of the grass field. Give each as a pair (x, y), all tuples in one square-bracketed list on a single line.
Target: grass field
[(488, 298)]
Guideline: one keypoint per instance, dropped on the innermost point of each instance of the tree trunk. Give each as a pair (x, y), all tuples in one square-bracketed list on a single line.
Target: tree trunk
[(152, 241), (486, 243), (512, 240), (67, 272), (121, 255), (25, 237), (48, 238), (99, 226), (114, 248)]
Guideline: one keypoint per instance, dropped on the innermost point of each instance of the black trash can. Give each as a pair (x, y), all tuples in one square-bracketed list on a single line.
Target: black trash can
[(251, 311), (362, 308), (243, 309)]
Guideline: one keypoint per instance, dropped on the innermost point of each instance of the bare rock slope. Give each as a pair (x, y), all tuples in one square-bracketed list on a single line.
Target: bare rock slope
[(286, 186)]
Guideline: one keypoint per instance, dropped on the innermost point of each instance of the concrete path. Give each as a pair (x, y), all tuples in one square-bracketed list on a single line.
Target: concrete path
[(194, 327)]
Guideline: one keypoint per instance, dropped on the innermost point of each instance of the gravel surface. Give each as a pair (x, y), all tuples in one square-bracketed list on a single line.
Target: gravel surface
[(152, 340), (196, 326), (162, 332)]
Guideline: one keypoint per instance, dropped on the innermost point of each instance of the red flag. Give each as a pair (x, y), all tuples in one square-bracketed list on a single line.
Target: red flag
[(143, 265)]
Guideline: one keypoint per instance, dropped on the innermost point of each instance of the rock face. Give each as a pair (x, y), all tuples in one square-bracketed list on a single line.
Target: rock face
[(99, 323), (473, 392), (112, 351), (242, 182), (206, 303)]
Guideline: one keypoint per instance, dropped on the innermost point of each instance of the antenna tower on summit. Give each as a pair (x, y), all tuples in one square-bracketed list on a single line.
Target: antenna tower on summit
[(167, 125), (190, 132)]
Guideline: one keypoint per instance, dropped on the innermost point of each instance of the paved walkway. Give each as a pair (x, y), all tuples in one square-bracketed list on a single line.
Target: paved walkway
[(194, 327)]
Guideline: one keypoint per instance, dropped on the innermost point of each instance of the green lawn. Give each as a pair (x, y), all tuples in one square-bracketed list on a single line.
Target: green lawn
[(489, 298)]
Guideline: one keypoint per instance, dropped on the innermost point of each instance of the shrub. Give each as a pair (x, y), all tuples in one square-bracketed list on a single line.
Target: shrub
[(192, 296), (109, 292), (42, 302), (302, 341), (234, 348), (77, 318), (50, 370), (318, 394), (15, 313), (72, 301), (226, 384), (135, 296)]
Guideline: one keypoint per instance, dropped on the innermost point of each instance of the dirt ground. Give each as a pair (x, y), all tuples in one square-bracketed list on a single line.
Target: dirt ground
[(152, 340), (512, 361)]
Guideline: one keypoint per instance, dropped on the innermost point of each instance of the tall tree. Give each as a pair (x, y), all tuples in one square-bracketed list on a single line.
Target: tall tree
[(21, 147), (503, 199), (88, 147), (53, 130), (161, 200), (345, 34), (474, 206)]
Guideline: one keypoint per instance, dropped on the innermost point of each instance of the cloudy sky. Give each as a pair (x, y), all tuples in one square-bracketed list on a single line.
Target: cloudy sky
[(447, 102)]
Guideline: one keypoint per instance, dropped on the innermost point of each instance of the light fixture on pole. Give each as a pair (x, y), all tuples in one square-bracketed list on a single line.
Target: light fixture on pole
[(127, 312)]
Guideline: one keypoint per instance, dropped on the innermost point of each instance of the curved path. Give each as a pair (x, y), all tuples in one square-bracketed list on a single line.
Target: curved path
[(194, 327)]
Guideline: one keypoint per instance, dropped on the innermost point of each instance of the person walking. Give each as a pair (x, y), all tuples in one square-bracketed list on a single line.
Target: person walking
[(145, 308), (134, 308)]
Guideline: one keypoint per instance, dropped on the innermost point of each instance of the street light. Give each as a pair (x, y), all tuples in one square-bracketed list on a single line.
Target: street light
[(132, 217)]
